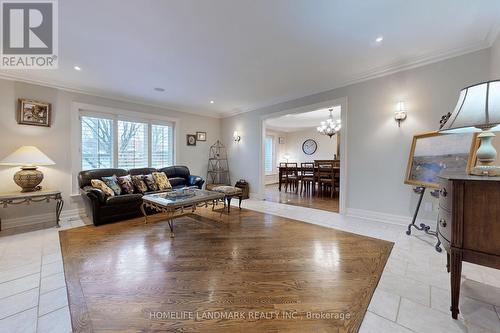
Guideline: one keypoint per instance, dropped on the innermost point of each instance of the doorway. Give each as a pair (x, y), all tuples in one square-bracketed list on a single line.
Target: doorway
[(300, 165)]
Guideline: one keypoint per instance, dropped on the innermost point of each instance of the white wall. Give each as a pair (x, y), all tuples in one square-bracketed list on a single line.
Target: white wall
[(327, 147), (495, 59), (377, 149), (55, 141)]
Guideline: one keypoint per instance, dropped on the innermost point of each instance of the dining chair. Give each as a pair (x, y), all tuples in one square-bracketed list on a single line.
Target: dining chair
[(307, 179), (325, 175), (291, 176)]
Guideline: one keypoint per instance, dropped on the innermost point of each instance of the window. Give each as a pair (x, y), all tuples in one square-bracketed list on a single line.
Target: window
[(269, 155), (126, 144), (132, 145), (97, 143)]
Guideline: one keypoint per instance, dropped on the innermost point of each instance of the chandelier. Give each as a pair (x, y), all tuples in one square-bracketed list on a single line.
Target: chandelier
[(329, 127)]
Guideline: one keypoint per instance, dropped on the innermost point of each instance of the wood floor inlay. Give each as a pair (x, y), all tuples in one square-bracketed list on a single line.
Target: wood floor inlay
[(250, 272)]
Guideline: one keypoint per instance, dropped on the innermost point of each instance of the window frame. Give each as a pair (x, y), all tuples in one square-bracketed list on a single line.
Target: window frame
[(81, 109), (273, 155)]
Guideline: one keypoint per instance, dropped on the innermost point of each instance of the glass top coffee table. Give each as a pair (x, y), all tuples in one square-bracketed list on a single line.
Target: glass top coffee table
[(179, 202)]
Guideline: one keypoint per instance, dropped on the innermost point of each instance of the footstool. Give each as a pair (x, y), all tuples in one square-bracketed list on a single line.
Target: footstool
[(229, 193)]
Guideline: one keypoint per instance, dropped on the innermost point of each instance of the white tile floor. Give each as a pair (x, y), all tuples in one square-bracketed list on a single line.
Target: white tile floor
[(412, 296)]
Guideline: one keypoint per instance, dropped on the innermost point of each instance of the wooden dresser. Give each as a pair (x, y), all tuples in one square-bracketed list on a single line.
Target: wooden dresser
[(469, 225)]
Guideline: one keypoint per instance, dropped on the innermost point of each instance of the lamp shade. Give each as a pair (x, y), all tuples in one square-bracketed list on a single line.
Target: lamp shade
[(27, 156), (478, 108)]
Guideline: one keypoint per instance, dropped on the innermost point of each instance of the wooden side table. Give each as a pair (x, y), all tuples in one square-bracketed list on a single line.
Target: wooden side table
[(19, 198)]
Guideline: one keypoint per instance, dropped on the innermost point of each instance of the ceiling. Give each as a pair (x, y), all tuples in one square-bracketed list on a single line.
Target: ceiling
[(301, 121), (247, 54)]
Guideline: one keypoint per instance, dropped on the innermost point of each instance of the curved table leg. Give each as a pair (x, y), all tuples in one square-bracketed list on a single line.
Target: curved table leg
[(59, 208)]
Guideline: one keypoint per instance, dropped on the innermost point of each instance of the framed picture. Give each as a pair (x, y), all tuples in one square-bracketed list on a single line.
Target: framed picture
[(433, 152), (191, 139), (473, 160), (281, 140), (201, 136), (33, 113)]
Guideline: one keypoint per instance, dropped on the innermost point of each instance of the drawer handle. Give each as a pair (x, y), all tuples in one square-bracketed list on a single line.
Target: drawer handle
[(443, 192), (442, 222)]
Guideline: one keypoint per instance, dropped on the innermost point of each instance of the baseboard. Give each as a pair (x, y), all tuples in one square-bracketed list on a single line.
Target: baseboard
[(41, 218), (384, 217)]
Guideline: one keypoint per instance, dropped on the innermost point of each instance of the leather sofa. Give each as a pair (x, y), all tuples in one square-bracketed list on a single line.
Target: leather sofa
[(102, 209)]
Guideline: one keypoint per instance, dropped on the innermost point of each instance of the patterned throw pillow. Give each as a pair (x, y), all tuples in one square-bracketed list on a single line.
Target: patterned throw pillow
[(162, 181), (126, 184), (99, 184), (150, 183), (139, 184), (112, 183)]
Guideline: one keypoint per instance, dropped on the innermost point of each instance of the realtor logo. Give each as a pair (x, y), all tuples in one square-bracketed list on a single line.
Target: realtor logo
[(29, 34)]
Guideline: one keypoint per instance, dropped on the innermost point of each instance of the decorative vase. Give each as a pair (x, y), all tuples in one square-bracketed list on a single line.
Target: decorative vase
[(28, 178)]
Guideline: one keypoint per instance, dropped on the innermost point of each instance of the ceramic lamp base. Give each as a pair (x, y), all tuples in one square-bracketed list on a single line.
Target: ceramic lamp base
[(486, 156), (28, 179)]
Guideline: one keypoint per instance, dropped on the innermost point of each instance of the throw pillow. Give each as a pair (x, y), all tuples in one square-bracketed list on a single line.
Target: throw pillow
[(162, 181), (126, 184), (139, 184), (150, 183), (99, 184), (112, 183)]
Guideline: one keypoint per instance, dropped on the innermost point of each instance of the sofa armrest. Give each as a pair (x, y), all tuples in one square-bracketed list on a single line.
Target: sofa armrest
[(195, 181), (94, 194)]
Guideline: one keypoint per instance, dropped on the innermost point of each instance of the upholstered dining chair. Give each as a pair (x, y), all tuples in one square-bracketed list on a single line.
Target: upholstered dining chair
[(325, 175), (291, 177), (307, 179)]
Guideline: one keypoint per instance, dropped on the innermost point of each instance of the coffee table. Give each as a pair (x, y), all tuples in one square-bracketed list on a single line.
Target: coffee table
[(179, 202)]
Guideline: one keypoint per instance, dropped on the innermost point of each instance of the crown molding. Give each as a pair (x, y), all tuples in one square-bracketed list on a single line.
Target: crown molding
[(396, 67), (102, 94)]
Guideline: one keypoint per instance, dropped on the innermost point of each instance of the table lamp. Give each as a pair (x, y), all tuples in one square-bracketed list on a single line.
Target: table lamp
[(478, 110), (29, 158)]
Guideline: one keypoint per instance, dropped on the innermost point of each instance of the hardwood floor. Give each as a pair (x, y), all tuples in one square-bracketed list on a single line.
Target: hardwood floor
[(292, 198), (271, 271)]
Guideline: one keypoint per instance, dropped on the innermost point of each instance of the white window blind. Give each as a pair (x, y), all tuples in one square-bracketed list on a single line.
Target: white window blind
[(97, 143), (132, 145), (269, 155), (161, 146), (110, 142)]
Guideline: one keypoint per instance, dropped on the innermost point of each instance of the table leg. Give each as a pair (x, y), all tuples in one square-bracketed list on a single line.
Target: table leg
[(143, 209), (456, 274), (171, 224), (59, 208), (279, 180)]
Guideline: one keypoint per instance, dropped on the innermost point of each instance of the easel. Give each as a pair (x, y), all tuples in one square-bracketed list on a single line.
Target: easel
[(423, 227)]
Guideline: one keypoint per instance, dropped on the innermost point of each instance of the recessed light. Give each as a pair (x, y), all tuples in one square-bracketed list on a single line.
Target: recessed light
[(212, 102), (77, 68), (159, 89), (379, 39)]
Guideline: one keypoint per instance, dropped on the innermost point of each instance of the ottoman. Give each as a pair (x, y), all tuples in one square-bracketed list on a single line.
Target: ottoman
[(229, 193)]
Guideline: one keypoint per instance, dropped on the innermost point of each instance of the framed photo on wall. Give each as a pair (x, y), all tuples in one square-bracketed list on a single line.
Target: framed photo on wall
[(201, 136), (191, 139), (431, 153), (33, 113)]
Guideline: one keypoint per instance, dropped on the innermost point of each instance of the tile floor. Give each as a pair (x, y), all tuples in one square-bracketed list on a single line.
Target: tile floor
[(412, 295)]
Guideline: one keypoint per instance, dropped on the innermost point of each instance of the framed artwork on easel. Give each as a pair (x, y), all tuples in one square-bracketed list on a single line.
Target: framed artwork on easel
[(433, 152)]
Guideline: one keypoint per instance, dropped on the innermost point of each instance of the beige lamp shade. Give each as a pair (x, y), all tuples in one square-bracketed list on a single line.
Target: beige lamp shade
[(478, 108), (27, 156)]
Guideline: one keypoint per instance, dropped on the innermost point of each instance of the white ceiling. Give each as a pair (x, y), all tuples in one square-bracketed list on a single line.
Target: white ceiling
[(246, 54), (301, 121)]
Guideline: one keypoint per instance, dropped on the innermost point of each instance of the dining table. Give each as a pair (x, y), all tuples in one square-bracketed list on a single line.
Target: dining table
[(300, 170)]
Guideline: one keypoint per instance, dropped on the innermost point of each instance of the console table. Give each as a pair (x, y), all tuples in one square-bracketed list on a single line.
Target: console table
[(469, 225), (19, 198)]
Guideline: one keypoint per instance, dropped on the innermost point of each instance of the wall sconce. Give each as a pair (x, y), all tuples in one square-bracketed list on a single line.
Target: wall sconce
[(236, 137), (400, 113)]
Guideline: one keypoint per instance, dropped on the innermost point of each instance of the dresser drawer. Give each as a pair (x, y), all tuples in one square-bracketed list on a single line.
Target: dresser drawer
[(444, 223), (445, 195)]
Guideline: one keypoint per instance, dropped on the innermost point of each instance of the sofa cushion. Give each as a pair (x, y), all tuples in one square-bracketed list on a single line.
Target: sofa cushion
[(126, 184), (162, 181), (99, 184), (139, 184), (85, 177), (124, 199), (112, 182), (176, 181), (141, 171), (150, 183)]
